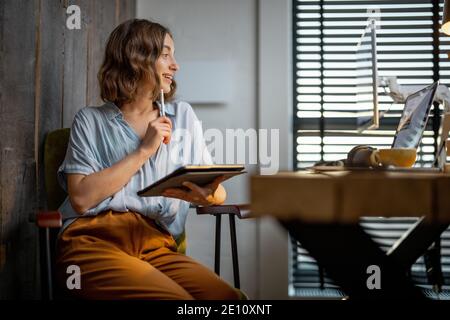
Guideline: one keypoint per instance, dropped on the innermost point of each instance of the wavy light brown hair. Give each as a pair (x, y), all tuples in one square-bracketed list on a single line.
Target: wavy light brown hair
[(130, 57)]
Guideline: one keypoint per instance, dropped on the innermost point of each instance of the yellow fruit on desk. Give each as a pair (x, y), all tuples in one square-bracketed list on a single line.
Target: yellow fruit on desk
[(398, 157)]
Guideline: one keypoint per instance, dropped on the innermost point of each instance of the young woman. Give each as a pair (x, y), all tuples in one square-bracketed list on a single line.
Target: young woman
[(125, 245)]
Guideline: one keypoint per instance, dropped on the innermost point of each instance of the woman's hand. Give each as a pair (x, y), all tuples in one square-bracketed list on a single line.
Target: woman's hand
[(210, 194), (158, 130)]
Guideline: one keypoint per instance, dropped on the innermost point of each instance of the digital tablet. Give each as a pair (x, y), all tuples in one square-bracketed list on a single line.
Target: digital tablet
[(200, 175)]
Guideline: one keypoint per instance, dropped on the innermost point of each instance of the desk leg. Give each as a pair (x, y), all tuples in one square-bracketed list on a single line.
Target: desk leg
[(345, 252), (415, 242)]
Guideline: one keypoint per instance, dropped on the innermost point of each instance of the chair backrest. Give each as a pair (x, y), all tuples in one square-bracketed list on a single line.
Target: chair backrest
[(55, 147)]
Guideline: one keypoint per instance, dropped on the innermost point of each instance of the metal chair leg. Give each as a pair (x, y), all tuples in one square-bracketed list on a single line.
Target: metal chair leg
[(46, 264), (217, 250), (237, 282)]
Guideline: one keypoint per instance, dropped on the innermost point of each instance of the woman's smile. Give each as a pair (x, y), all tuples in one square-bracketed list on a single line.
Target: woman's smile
[(166, 64), (168, 77)]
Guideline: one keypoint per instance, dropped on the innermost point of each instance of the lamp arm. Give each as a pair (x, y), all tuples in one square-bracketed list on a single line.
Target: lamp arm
[(399, 93), (443, 97)]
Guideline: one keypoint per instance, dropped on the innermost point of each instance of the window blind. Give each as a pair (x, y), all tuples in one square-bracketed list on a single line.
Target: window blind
[(326, 111)]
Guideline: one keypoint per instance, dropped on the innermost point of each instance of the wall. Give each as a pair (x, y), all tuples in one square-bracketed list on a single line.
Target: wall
[(47, 73), (275, 110), (222, 31)]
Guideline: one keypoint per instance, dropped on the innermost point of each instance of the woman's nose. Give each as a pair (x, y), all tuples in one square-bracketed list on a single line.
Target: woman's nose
[(174, 66)]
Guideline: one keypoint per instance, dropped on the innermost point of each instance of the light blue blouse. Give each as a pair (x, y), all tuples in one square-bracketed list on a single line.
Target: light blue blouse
[(100, 137)]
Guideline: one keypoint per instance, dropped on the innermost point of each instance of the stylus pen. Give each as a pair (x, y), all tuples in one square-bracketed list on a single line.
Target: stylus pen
[(162, 110)]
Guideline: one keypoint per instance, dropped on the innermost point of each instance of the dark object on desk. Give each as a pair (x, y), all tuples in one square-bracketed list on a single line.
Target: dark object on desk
[(200, 175), (337, 163), (363, 157), (360, 156)]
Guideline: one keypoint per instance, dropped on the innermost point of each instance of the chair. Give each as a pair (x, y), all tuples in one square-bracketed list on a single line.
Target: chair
[(50, 221)]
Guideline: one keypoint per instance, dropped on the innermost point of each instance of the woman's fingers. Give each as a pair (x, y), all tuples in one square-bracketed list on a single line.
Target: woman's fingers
[(163, 121), (166, 138), (174, 193), (170, 190), (195, 194), (164, 129), (167, 120), (164, 124), (220, 179), (166, 133), (195, 188), (217, 181)]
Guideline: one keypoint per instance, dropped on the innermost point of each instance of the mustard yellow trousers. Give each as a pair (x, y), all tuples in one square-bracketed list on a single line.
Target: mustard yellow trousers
[(128, 256)]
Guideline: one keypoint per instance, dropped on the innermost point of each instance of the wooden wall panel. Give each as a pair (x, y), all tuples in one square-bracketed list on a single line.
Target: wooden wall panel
[(18, 267), (99, 18), (47, 73), (125, 10), (50, 79), (103, 22), (75, 65)]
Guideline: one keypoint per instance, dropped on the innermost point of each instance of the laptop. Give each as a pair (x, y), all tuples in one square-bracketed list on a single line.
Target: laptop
[(414, 118), (409, 131)]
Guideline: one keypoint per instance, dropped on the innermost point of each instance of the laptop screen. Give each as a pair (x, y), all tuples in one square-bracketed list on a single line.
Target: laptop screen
[(414, 118)]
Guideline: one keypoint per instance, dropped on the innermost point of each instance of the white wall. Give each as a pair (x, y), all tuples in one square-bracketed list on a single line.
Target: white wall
[(252, 36)]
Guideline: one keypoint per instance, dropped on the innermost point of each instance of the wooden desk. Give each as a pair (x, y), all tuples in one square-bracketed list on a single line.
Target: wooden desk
[(345, 196), (322, 210)]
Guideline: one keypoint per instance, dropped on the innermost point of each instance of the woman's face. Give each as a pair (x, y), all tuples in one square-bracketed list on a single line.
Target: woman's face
[(166, 65)]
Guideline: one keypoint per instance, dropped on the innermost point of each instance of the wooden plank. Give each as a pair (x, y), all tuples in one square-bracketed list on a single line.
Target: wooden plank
[(103, 13), (18, 275), (125, 10), (50, 81), (99, 18), (75, 65)]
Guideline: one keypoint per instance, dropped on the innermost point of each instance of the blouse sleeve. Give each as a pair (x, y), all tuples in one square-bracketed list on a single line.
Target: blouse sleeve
[(80, 155)]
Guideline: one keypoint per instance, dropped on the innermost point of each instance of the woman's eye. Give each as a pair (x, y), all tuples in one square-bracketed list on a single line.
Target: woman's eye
[(165, 55)]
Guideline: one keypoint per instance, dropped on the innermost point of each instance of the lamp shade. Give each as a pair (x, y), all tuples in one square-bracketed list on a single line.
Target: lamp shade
[(445, 27)]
